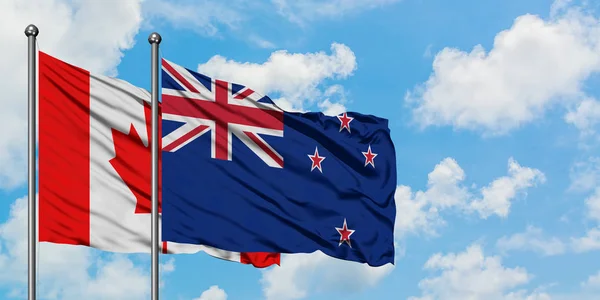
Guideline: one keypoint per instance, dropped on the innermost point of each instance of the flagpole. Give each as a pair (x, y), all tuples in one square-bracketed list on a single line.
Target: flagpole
[(31, 32), (154, 39)]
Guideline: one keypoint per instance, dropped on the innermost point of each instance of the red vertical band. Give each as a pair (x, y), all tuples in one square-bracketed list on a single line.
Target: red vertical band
[(64, 152)]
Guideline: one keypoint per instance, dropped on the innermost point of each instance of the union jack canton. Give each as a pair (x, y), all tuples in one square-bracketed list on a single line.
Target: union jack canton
[(222, 108)]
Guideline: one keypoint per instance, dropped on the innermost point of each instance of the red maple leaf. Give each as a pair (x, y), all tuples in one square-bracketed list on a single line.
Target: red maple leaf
[(132, 162)]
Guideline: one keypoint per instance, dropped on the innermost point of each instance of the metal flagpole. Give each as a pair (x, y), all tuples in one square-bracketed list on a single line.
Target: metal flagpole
[(31, 32), (154, 40)]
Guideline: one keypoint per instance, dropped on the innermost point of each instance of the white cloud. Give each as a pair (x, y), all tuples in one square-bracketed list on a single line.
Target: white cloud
[(532, 239), (593, 282), (533, 66), (524, 295), (498, 195), (164, 269), (585, 175), (331, 109), (117, 278), (89, 34), (302, 11), (84, 274), (335, 98), (261, 42), (590, 290), (420, 210), (427, 53), (202, 16), (585, 117), (472, 275), (168, 266), (445, 190), (592, 204), (301, 274), (589, 242), (213, 293), (295, 77), (209, 18), (559, 6)]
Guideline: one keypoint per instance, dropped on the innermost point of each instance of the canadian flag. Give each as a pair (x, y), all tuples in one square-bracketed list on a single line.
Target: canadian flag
[(95, 165)]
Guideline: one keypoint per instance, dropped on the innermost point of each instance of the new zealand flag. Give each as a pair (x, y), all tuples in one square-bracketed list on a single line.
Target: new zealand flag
[(241, 174)]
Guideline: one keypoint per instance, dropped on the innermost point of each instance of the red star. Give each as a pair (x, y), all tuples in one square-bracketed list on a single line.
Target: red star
[(316, 160), (369, 157), (345, 121), (345, 234)]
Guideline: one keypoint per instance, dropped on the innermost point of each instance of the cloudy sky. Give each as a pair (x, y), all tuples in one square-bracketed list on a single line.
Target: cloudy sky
[(493, 106)]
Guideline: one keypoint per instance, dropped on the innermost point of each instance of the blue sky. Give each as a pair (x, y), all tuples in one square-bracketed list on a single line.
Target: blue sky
[(493, 108)]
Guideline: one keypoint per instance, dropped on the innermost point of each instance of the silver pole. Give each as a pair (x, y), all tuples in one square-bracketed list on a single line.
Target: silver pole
[(31, 32), (154, 40)]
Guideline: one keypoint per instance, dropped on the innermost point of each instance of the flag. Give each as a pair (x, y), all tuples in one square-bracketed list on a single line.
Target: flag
[(95, 165), (267, 180)]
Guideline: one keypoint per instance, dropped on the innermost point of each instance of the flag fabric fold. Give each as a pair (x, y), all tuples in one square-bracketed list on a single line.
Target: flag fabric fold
[(241, 174), (95, 163)]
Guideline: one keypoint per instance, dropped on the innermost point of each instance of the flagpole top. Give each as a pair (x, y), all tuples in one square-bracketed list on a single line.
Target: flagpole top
[(32, 30), (154, 38)]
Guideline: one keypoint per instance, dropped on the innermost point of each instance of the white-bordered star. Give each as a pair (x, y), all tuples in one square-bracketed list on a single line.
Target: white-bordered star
[(345, 121), (316, 160), (345, 234), (369, 157)]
